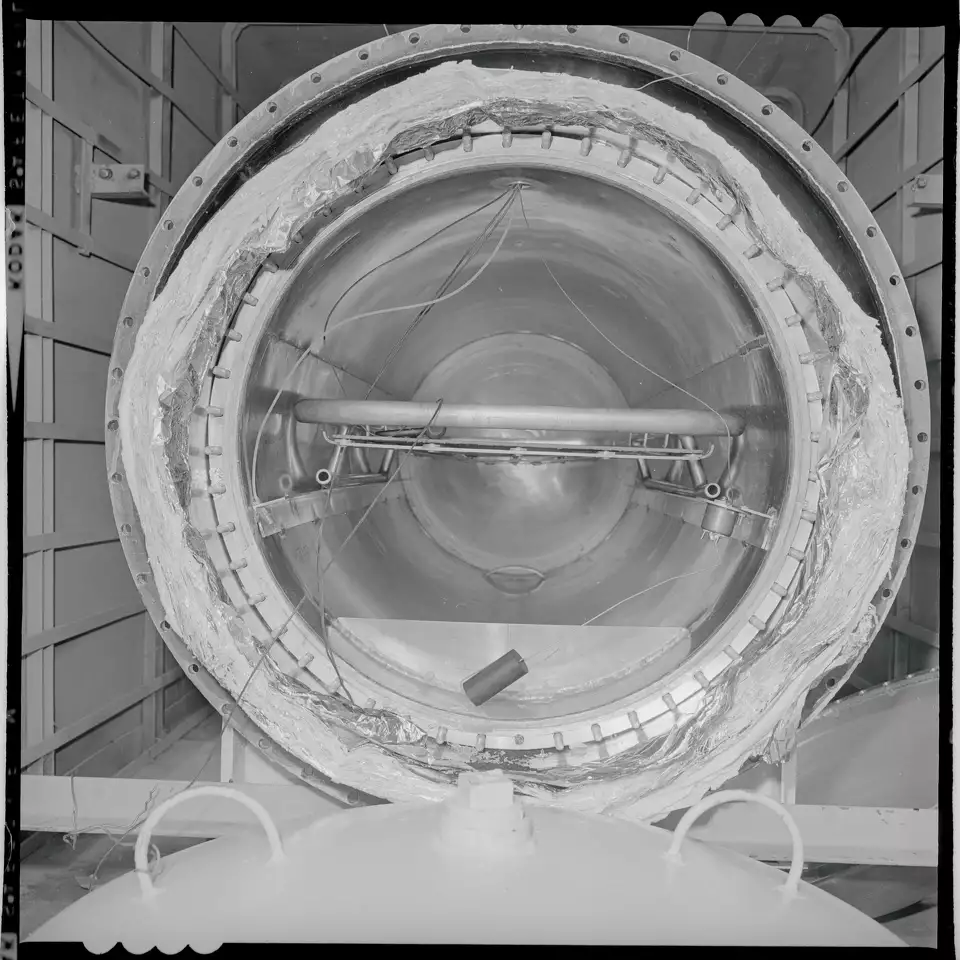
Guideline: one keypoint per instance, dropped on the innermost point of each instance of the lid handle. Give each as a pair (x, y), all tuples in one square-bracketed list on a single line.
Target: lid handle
[(792, 885), (140, 854)]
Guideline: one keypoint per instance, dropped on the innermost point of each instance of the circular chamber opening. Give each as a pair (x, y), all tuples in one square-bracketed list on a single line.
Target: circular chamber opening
[(429, 562), (487, 588)]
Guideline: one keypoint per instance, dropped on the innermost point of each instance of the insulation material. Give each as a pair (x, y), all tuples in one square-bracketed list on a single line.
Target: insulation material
[(748, 711)]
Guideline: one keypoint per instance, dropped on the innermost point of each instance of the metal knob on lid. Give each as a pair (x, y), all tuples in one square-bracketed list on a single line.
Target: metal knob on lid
[(485, 818)]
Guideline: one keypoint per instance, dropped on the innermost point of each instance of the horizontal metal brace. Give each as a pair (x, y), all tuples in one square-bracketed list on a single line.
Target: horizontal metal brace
[(283, 513), (868, 835), (126, 182), (675, 490), (539, 449), (926, 192), (914, 631), (478, 416)]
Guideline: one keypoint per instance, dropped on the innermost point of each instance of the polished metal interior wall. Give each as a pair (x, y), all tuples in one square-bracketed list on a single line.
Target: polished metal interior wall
[(468, 542)]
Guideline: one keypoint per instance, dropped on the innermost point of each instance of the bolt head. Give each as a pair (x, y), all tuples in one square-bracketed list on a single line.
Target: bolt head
[(105, 173), (133, 174), (921, 182)]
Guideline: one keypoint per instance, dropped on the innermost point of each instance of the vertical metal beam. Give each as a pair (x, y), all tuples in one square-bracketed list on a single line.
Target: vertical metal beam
[(160, 108), (160, 119), (230, 746), (228, 69), (841, 109), (908, 110), (38, 406), (46, 87)]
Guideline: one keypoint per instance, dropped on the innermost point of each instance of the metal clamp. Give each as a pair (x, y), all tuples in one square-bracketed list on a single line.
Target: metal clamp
[(792, 885), (118, 181), (927, 192), (140, 860)]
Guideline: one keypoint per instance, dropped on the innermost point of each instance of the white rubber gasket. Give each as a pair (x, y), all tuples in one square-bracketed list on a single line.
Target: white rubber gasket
[(663, 181)]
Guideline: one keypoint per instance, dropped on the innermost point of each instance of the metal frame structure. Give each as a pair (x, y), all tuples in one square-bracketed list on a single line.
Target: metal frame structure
[(863, 835), (41, 633)]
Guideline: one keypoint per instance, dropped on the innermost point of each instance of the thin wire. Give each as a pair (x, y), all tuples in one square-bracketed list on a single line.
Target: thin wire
[(310, 346), (428, 303), (461, 265), (380, 312), (640, 364), (640, 593), (321, 582), (736, 69), (383, 489), (408, 251), (673, 76), (228, 717)]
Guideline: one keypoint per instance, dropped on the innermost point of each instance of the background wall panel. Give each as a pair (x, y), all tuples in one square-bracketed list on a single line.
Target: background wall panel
[(81, 499), (87, 292), (96, 668), (91, 579), (105, 749), (81, 387)]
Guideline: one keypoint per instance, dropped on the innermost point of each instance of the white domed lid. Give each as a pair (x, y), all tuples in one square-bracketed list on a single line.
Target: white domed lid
[(482, 868)]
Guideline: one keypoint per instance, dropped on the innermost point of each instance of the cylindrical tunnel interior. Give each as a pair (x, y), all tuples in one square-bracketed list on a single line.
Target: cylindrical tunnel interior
[(581, 294)]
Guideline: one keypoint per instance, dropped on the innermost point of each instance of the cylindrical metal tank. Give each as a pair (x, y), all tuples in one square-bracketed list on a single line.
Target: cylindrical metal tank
[(500, 218), (480, 868)]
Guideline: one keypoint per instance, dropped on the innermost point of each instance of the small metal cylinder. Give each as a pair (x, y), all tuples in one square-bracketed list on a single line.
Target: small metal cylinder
[(676, 468), (719, 519), (360, 462), (494, 677), (697, 474)]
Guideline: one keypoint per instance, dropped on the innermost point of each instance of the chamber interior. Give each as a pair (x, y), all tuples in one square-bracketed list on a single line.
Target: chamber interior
[(459, 561)]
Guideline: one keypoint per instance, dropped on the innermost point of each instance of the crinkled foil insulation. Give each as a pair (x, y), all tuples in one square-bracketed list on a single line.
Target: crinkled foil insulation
[(747, 712)]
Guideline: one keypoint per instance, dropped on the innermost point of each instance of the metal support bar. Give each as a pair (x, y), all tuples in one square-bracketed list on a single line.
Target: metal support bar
[(486, 417), (67, 631), (511, 450), (83, 242), (71, 732), (914, 631), (64, 333), (68, 538), (145, 76), (912, 78), (62, 431), (286, 512), (867, 835), (91, 136), (111, 804)]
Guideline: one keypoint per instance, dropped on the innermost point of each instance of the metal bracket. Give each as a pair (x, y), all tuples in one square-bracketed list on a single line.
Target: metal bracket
[(927, 192), (124, 182)]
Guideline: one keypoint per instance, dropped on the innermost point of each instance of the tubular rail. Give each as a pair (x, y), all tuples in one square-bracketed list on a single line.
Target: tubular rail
[(484, 417)]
